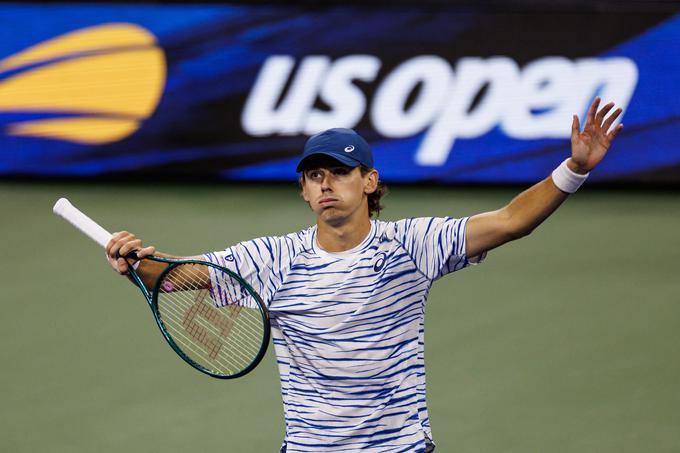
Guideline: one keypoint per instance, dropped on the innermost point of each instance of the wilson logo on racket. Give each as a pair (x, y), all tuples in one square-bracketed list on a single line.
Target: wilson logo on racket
[(201, 310), (91, 86)]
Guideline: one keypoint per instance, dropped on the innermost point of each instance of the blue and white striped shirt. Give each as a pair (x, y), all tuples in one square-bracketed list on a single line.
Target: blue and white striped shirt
[(348, 329)]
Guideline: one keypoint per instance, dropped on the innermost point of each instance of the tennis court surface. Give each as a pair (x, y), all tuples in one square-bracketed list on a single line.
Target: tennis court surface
[(566, 341)]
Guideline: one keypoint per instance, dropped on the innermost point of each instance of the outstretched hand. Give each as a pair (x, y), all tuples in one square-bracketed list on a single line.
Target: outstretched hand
[(588, 147)]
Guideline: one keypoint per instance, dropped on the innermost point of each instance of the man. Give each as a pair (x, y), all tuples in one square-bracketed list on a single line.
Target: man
[(347, 296)]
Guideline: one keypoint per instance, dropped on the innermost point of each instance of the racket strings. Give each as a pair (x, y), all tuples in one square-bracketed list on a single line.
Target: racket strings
[(191, 332), (231, 311), (222, 337), (225, 320), (192, 337)]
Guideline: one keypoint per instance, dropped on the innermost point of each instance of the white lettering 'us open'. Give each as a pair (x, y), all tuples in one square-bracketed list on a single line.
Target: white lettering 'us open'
[(532, 102)]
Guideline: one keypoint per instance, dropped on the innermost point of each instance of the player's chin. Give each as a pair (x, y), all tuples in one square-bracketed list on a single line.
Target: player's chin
[(331, 215)]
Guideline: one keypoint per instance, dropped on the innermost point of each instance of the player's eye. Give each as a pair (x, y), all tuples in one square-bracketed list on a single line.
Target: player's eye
[(341, 171), (315, 174)]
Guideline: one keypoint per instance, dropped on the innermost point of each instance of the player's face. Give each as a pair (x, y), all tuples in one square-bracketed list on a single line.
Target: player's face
[(337, 193)]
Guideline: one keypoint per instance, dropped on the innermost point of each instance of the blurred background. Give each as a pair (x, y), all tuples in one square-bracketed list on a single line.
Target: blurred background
[(183, 122)]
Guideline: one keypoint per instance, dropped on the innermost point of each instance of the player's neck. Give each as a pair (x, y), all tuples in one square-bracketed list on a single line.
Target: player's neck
[(342, 237)]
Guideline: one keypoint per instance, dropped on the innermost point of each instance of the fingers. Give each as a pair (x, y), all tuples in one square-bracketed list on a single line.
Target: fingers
[(590, 119), (129, 247), (122, 245), (613, 133), (118, 240), (599, 117), (112, 262), (575, 127), (113, 250), (118, 264), (121, 266), (146, 251), (608, 123)]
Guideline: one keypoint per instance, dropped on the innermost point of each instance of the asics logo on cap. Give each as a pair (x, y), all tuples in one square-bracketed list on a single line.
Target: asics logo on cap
[(349, 149)]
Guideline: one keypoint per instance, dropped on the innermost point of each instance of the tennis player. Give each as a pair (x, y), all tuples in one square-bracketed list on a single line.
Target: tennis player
[(347, 295)]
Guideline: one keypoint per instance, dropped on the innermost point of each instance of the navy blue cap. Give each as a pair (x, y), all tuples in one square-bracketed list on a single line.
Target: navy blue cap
[(344, 145)]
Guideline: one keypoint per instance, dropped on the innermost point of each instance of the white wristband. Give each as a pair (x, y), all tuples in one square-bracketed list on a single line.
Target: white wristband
[(566, 180)]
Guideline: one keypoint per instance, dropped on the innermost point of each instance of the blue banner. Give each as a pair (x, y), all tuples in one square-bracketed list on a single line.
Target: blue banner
[(234, 91)]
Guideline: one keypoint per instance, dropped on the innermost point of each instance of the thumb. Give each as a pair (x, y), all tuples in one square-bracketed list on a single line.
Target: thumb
[(122, 265)]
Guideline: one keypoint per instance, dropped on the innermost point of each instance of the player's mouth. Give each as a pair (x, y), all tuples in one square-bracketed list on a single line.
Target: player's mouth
[(325, 202)]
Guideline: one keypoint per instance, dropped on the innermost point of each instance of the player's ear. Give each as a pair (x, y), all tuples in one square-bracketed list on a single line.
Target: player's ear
[(371, 181)]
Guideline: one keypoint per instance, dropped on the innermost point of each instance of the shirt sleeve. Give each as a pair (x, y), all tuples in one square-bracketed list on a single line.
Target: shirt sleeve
[(256, 261), (436, 244)]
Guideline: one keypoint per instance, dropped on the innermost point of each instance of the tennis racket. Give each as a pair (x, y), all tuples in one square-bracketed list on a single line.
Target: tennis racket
[(209, 315)]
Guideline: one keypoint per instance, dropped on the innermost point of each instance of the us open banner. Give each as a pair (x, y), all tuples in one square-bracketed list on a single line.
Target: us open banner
[(234, 91)]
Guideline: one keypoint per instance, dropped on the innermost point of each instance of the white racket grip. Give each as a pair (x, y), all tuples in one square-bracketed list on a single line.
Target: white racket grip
[(86, 225)]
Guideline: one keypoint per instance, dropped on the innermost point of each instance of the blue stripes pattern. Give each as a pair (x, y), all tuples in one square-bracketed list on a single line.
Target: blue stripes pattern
[(348, 330)]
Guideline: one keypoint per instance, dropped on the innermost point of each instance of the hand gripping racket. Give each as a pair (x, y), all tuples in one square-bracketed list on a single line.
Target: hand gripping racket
[(209, 315)]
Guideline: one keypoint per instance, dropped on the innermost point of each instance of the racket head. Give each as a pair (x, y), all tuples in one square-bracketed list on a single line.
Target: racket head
[(221, 330)]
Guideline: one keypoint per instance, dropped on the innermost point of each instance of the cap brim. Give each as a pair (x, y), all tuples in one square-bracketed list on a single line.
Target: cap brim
[(344, 160)]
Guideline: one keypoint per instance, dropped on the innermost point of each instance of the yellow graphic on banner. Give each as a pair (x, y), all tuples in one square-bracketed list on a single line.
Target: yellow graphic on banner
[(105, 79)]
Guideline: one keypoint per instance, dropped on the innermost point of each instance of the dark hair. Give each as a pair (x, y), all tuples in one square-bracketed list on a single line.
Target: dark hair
[(374, 206)]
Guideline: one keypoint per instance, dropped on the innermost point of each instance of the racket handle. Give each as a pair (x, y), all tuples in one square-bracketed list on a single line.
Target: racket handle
[(87, 226)]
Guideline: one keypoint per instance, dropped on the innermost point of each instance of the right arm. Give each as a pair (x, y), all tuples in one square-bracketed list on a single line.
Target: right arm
[(123, 243)]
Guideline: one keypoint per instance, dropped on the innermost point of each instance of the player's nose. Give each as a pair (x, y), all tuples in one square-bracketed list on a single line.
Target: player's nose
[(326, 181)]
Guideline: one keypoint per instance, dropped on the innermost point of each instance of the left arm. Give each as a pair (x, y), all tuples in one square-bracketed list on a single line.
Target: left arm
[(530, 208)]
